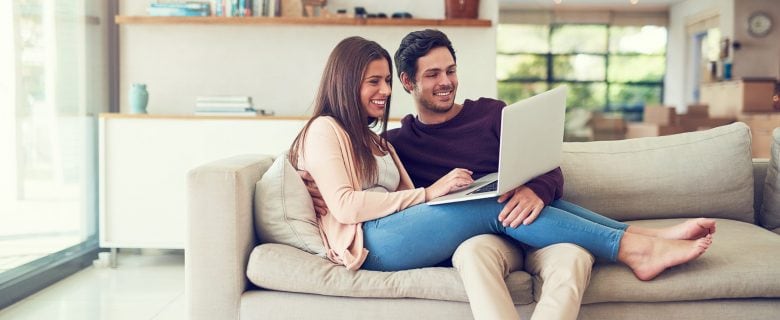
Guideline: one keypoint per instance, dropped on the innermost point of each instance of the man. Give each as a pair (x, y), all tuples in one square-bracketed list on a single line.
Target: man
[(446, 135)]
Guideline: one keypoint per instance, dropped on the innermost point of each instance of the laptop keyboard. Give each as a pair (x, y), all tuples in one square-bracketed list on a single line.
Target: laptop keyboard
[(493, 186)]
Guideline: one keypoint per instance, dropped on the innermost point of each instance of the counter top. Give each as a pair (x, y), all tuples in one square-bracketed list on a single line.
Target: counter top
[(204, 117), (196, 117)]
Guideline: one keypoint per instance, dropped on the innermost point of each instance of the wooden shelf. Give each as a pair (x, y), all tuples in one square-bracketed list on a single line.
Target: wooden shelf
[(303, 21)]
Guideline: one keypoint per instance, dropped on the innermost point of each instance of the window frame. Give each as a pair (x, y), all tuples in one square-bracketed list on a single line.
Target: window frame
[(549, 57)]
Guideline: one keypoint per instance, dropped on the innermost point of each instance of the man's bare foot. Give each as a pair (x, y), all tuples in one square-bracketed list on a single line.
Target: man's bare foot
[(648, 257), (689, 230)]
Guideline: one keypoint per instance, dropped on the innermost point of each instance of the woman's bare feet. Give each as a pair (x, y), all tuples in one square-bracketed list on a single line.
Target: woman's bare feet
[(691, 229), (648, 257)]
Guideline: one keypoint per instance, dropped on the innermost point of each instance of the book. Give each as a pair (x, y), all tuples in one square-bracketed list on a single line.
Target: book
[(199, 99), (231, 114), (177, 12), (222, 109), (181, 5), (257, 7), (218, 8)]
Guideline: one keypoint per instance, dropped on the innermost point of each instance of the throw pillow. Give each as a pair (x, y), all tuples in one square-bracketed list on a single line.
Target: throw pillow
[(770, 211), (698, 174), (284, 212)]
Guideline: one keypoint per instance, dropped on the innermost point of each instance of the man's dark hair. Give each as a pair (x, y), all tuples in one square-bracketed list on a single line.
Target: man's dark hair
[(416, 45)]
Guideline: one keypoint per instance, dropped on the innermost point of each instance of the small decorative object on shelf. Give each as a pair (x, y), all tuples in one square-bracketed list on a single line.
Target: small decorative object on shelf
[(312, 8), (461, 9), (292, 8), (139, 97), (360, 13)]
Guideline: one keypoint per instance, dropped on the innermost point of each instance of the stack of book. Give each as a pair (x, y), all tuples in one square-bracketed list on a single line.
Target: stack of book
[(225, 106), (179, 9), (237, 8)]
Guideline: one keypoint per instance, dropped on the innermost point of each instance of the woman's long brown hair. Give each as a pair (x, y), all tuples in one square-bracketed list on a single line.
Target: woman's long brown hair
[(339, 97)]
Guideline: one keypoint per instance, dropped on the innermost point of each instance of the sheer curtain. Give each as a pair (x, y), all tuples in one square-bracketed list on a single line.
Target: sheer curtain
[(54, 82)]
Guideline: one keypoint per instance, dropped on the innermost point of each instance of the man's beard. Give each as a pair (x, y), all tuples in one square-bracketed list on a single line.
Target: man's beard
[(433, 107)]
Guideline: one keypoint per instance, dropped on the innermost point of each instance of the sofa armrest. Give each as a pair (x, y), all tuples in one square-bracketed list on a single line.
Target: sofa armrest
[(220, 234)]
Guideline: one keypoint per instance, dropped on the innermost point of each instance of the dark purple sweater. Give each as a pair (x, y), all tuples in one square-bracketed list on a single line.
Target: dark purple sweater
[(469, 140)]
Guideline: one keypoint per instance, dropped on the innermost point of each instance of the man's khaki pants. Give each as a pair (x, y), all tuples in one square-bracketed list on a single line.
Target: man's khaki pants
[(562, 269)]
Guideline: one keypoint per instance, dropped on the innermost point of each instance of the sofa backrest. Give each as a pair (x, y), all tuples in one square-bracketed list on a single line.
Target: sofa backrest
[(769, 215), (705, 173)]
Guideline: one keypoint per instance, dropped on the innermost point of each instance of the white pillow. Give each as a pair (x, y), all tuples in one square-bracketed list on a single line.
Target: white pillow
[(284, 212)]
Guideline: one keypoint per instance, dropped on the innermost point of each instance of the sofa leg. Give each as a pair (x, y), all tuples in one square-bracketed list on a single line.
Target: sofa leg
[(113, 258)]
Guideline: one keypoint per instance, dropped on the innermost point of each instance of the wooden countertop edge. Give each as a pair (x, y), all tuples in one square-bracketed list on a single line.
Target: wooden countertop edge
[(202, 117)]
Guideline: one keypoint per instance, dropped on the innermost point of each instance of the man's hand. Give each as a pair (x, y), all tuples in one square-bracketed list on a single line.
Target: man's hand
[(319, 204), (523, 207)]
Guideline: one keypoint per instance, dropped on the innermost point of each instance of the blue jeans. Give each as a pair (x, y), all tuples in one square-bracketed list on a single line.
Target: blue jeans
[(424, 235)]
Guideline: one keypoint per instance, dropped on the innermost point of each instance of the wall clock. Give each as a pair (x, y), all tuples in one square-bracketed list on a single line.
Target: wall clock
[(759, 24)]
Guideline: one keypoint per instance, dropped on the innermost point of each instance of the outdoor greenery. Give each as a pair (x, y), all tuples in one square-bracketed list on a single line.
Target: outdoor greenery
[(607, 68)]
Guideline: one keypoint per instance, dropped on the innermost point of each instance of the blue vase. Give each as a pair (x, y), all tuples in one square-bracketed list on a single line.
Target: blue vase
[(138, 98)]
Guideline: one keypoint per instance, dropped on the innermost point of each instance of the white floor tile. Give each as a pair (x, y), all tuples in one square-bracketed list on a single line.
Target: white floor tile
[(174, 311), (142, 287)]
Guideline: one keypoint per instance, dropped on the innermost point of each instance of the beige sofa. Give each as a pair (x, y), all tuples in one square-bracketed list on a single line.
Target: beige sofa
[(650, 181)]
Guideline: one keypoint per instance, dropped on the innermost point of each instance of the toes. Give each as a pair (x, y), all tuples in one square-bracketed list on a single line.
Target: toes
[(706, 223)]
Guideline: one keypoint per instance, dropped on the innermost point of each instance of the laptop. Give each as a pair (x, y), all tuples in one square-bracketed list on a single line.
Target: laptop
[(531, 142)]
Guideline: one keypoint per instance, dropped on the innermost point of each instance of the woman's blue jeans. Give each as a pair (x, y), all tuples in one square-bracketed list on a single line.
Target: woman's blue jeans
[(424, 235)]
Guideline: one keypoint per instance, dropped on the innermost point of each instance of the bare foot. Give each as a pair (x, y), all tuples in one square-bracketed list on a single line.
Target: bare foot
[(689, 230), (648, 257)]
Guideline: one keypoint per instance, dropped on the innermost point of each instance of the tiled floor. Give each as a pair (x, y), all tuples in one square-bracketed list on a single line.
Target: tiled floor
[(143, 286)]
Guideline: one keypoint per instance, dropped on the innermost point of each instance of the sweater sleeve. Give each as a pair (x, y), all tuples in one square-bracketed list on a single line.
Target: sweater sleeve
[(327, 157), (549, 186)]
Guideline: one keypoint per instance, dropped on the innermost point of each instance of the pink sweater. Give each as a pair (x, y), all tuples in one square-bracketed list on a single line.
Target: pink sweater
[(328, 158)]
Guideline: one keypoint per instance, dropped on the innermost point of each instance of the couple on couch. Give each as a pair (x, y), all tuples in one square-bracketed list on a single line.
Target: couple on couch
[(371, 216)]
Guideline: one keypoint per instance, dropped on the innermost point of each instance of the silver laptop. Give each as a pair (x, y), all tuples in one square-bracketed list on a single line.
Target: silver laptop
[(531, 142)]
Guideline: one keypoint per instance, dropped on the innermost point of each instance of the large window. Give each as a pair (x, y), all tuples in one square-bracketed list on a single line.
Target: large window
[(54, 82), (607, 68)]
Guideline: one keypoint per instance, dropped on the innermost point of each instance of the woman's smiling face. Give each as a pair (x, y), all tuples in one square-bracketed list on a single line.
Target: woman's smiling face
[(375, 88)]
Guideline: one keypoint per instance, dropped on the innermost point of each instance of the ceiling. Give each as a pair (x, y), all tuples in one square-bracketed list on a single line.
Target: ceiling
[(589, 4)]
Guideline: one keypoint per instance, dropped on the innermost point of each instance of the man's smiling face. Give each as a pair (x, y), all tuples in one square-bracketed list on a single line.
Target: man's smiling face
[(436, 81)]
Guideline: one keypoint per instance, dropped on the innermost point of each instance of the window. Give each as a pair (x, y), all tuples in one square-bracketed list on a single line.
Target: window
[(607, 68), (53, 57)]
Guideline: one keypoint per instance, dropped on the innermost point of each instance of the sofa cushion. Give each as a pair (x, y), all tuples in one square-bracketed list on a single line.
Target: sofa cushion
[(770, 210), (284, 268), (284, 212), (741, 263), (704, 173)]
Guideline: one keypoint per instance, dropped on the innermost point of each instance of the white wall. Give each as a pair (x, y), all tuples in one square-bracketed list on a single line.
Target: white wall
[(677, 86), (758, 57), (280, 66)]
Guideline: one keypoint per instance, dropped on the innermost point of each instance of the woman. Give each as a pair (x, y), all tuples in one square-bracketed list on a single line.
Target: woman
[(375, 208)]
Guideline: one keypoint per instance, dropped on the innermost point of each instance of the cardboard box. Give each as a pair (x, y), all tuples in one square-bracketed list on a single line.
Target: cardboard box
[(761, 145), (730, 98), (698, 111), (660, 115), (693, 123), (761, 127), (605, 136), (608, 123), (643, 129)]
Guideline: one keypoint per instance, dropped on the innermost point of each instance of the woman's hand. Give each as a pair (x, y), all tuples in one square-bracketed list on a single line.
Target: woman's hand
[(457, 179)]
